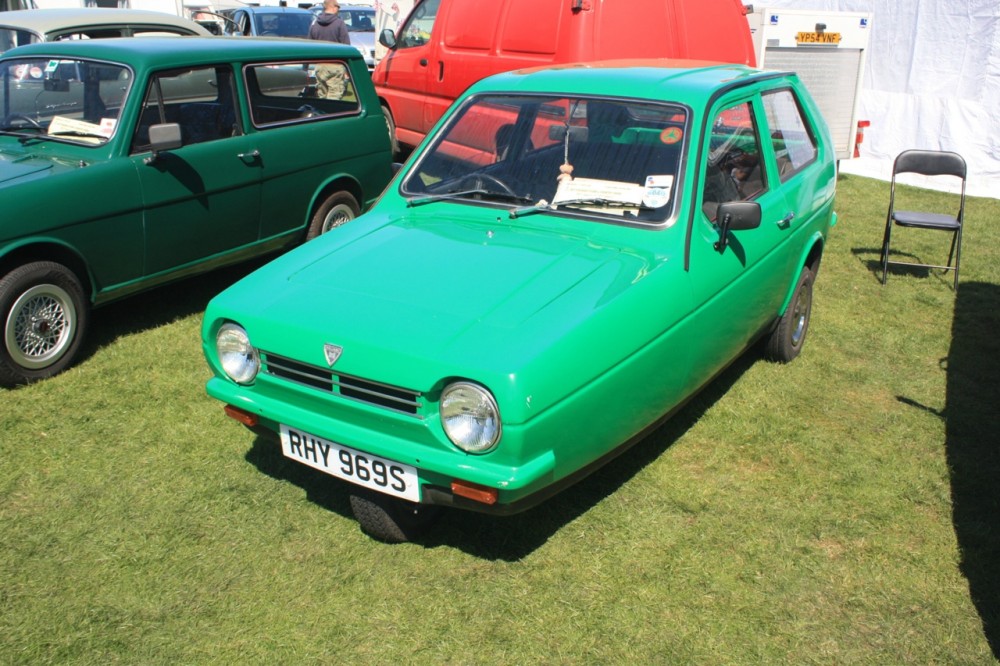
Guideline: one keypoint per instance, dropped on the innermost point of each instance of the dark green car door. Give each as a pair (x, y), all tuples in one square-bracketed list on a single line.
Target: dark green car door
[(202, 199)]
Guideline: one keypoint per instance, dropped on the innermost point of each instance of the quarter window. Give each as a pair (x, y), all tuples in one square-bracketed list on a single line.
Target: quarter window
[(300, 91), (794, 142)]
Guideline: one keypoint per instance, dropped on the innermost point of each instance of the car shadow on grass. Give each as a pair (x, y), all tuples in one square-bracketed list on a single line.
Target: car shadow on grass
[(972, 414), (160, 306), (512, 538)]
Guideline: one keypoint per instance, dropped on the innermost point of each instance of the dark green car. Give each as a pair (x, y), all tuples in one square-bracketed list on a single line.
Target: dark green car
[(127, 163), (570, 255)]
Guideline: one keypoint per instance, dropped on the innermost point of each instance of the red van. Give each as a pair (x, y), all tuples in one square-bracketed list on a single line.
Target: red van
[(444, 46)]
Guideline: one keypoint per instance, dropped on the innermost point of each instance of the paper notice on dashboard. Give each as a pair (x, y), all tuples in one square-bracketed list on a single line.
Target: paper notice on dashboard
[(589, 188), (64, 125)]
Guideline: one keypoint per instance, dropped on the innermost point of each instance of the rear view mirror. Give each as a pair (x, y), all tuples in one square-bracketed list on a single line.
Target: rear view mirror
[(56, 85), (576, 133)]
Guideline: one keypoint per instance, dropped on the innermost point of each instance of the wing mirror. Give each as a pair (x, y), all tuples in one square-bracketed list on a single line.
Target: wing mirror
[(387, 38), (163, 137), (735, 216)]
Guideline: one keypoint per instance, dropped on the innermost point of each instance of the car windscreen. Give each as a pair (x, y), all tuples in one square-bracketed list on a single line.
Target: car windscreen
[(62, 99), (609, 157)]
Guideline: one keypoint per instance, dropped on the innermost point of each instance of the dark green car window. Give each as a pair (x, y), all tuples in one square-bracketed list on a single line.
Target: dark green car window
[(300, 91), (200, 100), (65, 99)]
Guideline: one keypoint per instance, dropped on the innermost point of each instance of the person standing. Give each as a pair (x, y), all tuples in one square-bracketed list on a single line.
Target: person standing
[(331, 78)]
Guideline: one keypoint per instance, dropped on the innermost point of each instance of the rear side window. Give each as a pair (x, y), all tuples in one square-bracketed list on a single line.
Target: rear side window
[(793, 138), (300, 91)]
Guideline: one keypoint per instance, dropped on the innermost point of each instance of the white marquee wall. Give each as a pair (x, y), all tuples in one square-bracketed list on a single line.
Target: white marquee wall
[(932, 81)]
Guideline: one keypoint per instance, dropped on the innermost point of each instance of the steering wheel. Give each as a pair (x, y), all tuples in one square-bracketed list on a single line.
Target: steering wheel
[(480, 177), (8, 120)]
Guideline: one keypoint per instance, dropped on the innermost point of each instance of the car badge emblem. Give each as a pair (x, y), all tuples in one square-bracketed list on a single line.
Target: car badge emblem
[(332, 353)]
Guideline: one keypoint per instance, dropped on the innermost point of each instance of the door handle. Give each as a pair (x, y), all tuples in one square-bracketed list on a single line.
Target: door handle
[(786, 221), (250, 158)]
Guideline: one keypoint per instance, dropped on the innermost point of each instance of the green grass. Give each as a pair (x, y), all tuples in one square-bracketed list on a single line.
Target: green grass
[(841, 509)]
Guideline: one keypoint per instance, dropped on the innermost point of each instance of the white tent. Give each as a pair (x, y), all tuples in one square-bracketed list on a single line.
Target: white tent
[(932, 81)]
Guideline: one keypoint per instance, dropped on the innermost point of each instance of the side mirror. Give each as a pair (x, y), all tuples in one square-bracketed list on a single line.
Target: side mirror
[(163, 137), (735, 216), (387, 38)]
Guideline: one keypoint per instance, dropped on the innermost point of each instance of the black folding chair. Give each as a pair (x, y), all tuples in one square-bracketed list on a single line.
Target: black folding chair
[(927, 163)]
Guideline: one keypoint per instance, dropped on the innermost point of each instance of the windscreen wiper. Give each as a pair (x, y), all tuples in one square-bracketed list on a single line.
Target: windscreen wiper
[(504, 196), (597, 202)]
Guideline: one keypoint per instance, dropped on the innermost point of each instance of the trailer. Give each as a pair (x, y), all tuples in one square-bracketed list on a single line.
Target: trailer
[(828, 50)]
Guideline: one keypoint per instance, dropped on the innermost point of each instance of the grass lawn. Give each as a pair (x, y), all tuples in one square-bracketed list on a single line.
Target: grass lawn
[(841, 509)]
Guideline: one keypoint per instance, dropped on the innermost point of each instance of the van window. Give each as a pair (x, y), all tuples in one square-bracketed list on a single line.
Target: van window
[(418, 27), (793, 139)]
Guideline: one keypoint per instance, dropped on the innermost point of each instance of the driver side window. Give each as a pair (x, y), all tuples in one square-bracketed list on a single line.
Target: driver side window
[(202, 101), (734, 170), (417, 30)]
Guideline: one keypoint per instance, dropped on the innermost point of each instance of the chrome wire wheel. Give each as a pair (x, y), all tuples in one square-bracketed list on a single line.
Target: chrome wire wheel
[(338, 215), (40, 326)]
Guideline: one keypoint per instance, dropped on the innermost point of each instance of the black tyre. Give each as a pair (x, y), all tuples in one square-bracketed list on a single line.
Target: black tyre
[(338, 208), (390, 125), (787, 339), (44, 315), (390, 519)]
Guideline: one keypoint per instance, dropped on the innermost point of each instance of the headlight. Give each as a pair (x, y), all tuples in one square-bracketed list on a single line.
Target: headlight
[(470, 417), (238, 357)]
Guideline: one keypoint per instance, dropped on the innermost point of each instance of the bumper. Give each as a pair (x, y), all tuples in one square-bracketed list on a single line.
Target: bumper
[(519, 484)]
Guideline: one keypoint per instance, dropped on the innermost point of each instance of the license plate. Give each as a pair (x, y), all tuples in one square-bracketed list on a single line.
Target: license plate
[(363, 469), (817, 37)]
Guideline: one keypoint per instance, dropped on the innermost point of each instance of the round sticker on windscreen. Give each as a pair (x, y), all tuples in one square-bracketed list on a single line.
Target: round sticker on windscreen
[(657, 191), (671, 135)]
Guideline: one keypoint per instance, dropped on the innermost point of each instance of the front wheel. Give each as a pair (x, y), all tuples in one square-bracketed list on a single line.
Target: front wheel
[(338, 208), (44, 315), (787, 339), (390, 519)]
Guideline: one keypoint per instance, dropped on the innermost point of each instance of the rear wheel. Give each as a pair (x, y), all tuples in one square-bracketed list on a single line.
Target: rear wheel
[(338, 208), (44, 315), (391, 519), (391, 126), (787, 339)]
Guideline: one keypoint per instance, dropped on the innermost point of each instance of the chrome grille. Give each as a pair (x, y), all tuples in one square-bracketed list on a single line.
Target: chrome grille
[(355, 388)]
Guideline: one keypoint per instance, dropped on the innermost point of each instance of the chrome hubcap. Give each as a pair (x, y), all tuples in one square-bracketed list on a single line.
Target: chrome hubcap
[(337, 216), (801, 315), (39, 327)]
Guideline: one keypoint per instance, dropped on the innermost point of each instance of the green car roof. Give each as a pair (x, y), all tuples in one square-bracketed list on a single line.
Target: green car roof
[(640, 79), (166, 52)]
